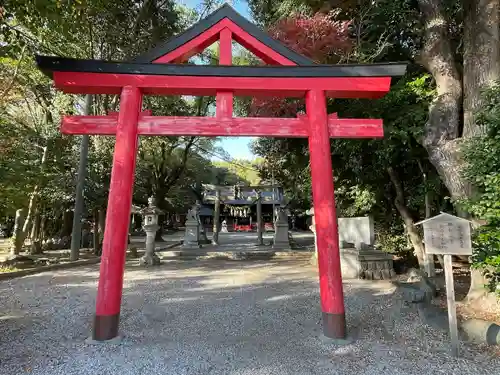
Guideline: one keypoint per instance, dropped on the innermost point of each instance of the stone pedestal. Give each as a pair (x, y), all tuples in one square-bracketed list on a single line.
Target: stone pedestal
[(150, 258), (357, 259), (366, 263), (192, 235), (281, 240)]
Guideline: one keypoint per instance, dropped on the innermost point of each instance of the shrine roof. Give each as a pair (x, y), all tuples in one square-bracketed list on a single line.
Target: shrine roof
[(225, 11), (50, 64)]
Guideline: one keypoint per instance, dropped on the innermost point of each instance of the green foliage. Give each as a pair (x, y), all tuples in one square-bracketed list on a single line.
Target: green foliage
[(30, 108), (393, 241), (481, 154), (355, 200), (482, 169), (239, 171), (486, 255)]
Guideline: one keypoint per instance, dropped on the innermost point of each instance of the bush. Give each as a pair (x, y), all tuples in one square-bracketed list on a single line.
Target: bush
[(391, 243), (486, 254)]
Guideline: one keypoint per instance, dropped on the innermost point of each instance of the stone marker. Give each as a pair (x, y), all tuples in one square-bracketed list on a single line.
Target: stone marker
[(358, 256), (150, 226), (356, 230), (281, 240)]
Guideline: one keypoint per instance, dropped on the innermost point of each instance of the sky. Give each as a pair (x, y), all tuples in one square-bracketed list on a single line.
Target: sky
[(237, 147)]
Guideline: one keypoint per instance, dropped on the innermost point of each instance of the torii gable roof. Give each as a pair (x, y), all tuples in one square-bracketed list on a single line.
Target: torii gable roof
[(224, 14), (301, 73)]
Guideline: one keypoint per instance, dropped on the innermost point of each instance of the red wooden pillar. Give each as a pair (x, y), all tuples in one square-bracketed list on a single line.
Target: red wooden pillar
[(327, 237), (109, 292), (224, 99)]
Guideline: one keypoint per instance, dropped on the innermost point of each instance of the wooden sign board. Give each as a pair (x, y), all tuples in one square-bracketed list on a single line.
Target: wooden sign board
[(447, 235)]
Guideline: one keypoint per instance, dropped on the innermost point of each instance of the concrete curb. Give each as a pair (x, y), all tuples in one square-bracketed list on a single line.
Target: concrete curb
[(59, 266), (481, 331), (163, 248)]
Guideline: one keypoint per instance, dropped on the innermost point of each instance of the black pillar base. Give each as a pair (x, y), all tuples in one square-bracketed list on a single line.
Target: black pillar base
[(334, 325), (105, 327)]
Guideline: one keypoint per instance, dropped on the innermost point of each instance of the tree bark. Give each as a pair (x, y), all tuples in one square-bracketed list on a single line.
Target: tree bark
[(102, 226), (442, 130), (481, 56), (36, 243), (33, 199), (17, 234), (102, 221), (43, 228), (415, 238), (76, 233), (97, 245), (67, 224)]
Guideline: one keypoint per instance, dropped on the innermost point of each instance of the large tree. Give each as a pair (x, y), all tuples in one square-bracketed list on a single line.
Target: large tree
[(457, 42)]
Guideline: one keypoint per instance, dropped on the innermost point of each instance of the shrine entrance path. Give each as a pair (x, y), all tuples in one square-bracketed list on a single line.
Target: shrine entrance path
[(217, 317)]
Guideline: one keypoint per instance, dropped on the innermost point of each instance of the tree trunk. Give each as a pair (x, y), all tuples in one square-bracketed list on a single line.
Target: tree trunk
[(443, 126), (481, 56), (102, 227), (36, 243), (102, 221), (33, 199), (96, 239), (415, 238), (67, 224), (76, 232), (17, 233), (477, 285), (29, 217), (429, 258), (43, 228), (160, 196)]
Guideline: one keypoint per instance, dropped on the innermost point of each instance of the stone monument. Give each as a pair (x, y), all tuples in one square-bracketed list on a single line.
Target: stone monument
[(281, 240), (150, 226), (358, 256)]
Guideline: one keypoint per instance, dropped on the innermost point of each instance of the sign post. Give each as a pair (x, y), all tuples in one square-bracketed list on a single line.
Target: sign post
[(448, 235)]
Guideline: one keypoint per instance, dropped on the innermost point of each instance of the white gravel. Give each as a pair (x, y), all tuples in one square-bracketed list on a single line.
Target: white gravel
[(216, 317)]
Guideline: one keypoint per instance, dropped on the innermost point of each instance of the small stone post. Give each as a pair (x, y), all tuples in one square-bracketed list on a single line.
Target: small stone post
[(150, 226), (260, 240), (216, 227)]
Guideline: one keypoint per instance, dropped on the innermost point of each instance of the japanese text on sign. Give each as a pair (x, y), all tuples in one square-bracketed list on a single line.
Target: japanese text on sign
[(447, 237)]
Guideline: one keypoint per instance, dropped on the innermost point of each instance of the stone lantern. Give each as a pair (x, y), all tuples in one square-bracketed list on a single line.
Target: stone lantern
[(150, 226)]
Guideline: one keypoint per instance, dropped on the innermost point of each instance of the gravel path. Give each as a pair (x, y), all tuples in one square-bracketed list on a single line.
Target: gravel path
[(215, 317)]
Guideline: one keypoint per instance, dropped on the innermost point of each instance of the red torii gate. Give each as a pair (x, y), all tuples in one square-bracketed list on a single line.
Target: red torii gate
[(159, 72)]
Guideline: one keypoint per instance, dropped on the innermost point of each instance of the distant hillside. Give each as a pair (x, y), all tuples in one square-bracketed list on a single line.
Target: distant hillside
[(246, 171)]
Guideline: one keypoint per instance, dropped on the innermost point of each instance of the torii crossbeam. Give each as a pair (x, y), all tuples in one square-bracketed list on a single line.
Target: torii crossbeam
[(159, 72)]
